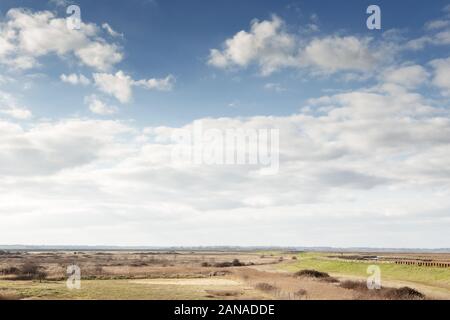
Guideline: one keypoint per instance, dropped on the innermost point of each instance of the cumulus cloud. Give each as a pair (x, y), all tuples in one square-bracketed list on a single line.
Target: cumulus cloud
[(267, 44), (120, 85), (10, 107), (272, 48), (97, 106), (410, 76), (163, 84), (75, 79), (25, 36), (339, 53), (441, 77), (117, 85)]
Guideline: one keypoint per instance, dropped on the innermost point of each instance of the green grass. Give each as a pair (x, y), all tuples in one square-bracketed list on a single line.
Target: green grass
[(437, 277)]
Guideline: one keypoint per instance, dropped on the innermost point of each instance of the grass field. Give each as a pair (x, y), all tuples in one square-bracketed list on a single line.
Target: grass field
[(126, 290)]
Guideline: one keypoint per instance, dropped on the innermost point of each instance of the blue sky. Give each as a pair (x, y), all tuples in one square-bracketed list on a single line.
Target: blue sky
[(175, 37), (86, 116)]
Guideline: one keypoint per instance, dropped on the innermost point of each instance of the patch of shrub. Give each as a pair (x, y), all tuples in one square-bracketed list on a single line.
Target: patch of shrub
[(205, 264), (29, 269), (237, 263), (404, 293), (226, 264), (219, 293), (41, 276), (263, 286), (312, 274), (9, 271), (301, 292), (223, 264), (354, 285)]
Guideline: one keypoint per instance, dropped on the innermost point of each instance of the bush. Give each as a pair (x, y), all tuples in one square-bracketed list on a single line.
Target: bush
[(205, 264), (234, 263), (223, 264), (301, 292), (9, 271), (41, 276), (354, 285), (312, 274), (404, 293), (237, 263), (265, 287), (30, 269)]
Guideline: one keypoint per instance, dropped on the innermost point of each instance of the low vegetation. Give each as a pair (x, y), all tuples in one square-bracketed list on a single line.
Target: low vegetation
[(323, 276), (263, 286), (403, 293)]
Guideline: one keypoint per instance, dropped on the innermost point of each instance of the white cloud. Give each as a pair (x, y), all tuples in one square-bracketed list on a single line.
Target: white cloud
[(10, 107), (164, 84), (17, 113), (441, 77), (121, 85), (60, 3), (99, 107), (75, 79), (271, 86), (438, 34), (25, 36), (409, 76), (267, 44), (118, 85), (437, 24), (332, 54), (272, 48), (111, 31)]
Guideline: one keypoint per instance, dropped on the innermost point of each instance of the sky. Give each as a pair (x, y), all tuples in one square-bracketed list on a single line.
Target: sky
[(87, 117)]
